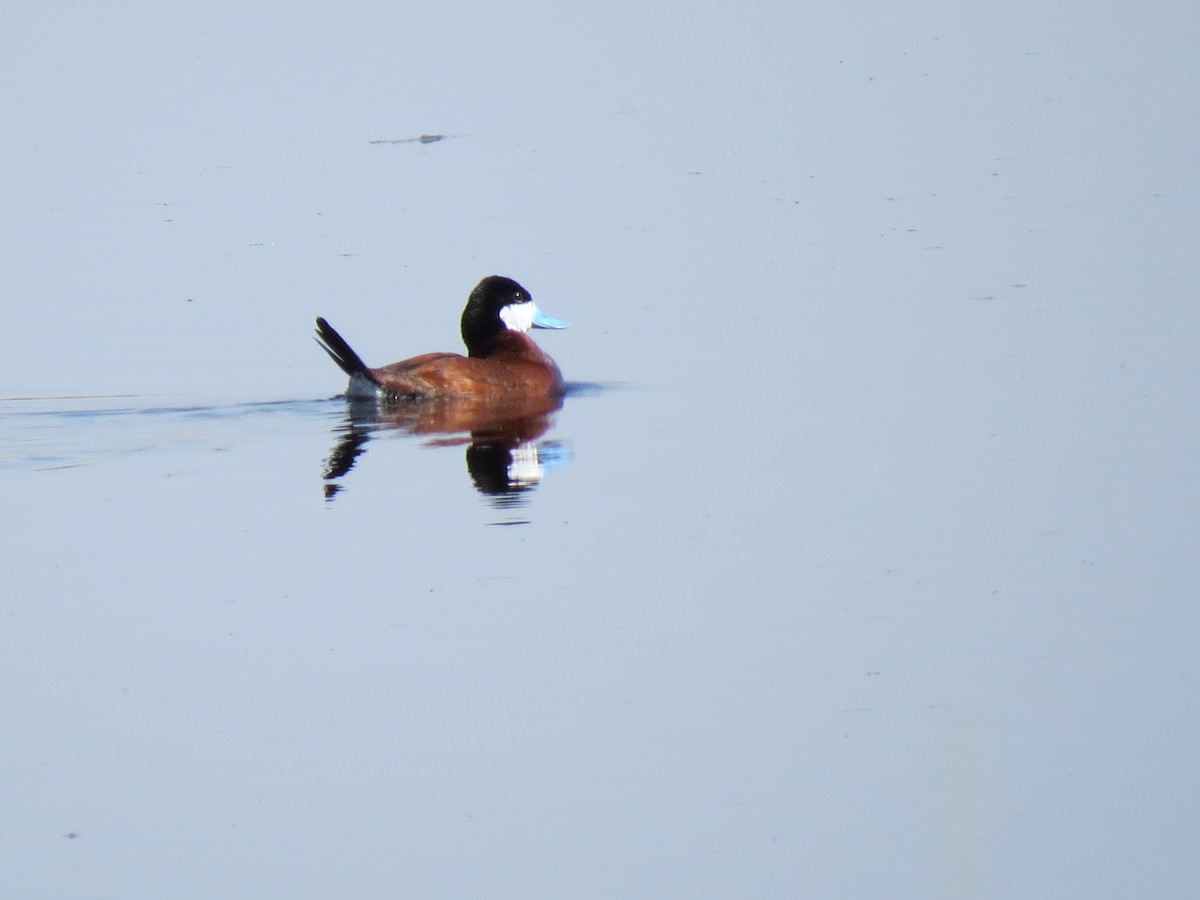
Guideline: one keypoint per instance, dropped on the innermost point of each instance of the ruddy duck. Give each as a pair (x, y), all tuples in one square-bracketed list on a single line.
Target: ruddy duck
[(502, 362)]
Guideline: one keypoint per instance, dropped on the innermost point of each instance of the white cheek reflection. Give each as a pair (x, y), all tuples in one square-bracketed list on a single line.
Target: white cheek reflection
[(524, 467), (518, 316)]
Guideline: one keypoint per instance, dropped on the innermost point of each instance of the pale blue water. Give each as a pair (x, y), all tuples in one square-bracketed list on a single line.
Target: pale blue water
[(856, 563)]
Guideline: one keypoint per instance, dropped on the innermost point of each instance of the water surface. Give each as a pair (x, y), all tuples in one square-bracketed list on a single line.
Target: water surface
[(855, 564)]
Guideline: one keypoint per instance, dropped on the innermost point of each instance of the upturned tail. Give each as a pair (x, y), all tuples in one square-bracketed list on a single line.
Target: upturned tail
[(341, 352)]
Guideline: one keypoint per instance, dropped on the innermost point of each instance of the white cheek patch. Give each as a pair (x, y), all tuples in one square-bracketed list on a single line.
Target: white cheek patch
[(518, 316)]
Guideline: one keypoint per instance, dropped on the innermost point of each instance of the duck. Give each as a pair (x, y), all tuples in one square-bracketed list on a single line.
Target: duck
[(502, 365)]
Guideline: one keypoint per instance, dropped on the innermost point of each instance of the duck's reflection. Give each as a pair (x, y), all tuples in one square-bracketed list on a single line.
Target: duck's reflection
[(505, 459)]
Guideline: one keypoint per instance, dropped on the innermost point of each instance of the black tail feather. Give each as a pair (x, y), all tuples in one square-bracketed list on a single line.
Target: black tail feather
[(341, 352)]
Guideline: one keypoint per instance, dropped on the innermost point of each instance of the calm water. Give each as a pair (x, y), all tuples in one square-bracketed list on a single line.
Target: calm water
[(856, 562)]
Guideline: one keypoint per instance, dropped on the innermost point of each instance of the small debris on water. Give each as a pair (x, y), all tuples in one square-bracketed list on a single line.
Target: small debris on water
[(420, 139)]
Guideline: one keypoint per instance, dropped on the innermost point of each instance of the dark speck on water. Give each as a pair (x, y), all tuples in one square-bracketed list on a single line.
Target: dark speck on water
[(421, 139)]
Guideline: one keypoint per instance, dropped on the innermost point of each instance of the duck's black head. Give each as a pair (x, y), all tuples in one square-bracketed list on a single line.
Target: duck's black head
[(498, 303)]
